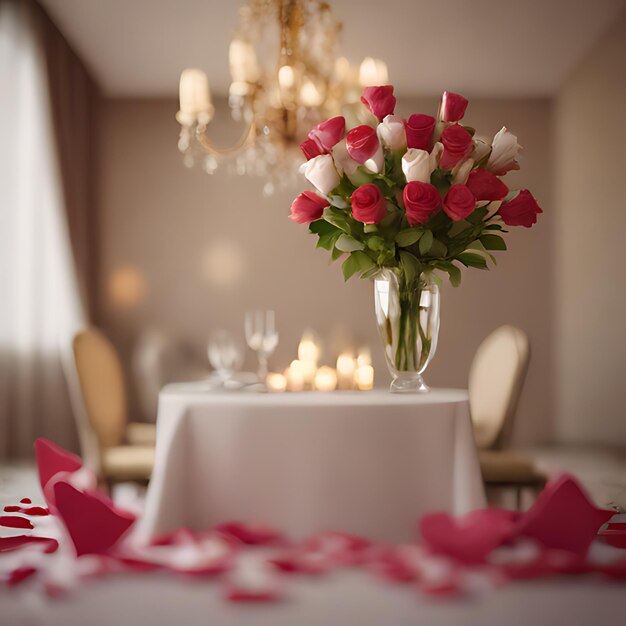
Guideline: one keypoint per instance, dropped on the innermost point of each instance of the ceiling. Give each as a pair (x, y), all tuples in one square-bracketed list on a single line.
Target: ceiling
[(137, 48)]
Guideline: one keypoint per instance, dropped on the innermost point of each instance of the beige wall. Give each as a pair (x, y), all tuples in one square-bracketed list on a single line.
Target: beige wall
[(591, 225), (161, 218)]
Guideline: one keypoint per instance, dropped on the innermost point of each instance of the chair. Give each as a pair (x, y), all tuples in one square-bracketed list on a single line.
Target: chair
[(495, 384), (115, 449)]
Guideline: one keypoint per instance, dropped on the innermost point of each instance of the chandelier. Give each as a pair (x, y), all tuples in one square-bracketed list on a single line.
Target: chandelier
[(286, 78)]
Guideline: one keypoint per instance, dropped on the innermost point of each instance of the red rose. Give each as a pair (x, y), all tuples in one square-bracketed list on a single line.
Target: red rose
[(308, 207), (457, 144), (362, 143), (521, 211), (486, 186), (368, 204), (419, 131), (452, 107), (420, 201), (459, 202), (310, 149), (329, 133), (379, 100)]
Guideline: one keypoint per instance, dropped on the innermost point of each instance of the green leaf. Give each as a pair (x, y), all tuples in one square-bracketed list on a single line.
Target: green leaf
[(470, 259), (478, 215), (452, 270), (370, 228), (345, 243), (357, 262), (438, 249), (410, 266), (338, 201), (408, 237), (426, 242), (327, 240), (335, 254), (321, 227), (375, 243), (493, 242), (459, 228), (337, 218), (370, 273)]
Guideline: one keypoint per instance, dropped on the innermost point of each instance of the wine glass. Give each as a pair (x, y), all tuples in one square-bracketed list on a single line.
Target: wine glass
[(225, 354), (262, 338)]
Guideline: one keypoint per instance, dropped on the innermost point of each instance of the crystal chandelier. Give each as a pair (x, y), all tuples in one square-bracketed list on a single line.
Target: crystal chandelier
[(286, 78)]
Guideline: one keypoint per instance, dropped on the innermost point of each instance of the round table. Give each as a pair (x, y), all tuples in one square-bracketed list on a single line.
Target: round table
[(368, 463)]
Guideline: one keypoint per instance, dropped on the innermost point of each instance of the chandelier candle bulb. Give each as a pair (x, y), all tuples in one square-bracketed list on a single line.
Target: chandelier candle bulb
[(364, 378), (346, 367), (194, 95), (373, 72), (326, 379), (276, 382)]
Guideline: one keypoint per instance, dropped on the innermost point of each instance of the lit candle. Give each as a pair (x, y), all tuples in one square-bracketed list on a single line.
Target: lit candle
[(286, 77), (308, 350), (295, 376), (195, 95), (373, 72), (364, 357), (346, 367), (364, 377), (326, 379), (276, 382)]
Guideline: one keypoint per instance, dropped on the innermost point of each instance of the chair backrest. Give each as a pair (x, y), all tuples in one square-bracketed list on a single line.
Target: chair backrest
[(101, 379), (495, 383)]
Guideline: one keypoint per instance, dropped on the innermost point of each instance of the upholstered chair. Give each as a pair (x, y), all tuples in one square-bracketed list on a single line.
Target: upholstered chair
[(116, 449), (496, 380)]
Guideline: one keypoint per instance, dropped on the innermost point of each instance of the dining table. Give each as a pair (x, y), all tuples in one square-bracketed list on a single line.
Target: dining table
[(363, 462)]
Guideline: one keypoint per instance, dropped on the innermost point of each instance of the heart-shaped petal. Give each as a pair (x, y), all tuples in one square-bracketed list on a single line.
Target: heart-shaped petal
[(52, 459), (469, 539), (93, 522), (563, 517)]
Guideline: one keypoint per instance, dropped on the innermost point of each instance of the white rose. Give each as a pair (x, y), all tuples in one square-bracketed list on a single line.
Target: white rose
[(461, 172), (376, 163), (391, 133), (435, 155), (503, 153), (322, 173), (416, 165), (344, 163)]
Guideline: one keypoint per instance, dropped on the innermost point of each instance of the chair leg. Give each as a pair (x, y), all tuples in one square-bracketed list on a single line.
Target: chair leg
[(519, 498)]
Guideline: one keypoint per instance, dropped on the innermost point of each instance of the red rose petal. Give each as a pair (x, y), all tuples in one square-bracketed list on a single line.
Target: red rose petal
[(93, 522), (52, 459), (14, 521), (20, 575), (8, 544), (26, 501)]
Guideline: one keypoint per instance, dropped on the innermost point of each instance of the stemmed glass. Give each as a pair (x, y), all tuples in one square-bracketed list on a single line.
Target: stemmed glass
[(262, 338), (225, 355)]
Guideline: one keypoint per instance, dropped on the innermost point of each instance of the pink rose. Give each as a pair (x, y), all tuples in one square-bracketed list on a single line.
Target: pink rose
[(521, 210), (452, 107), (459, 202), (308, 207), (310, 149), (364, 147), (419, 131), (486, 186), (329, 133), (457, 144), (368, 204), (420, 201), (379, 100)]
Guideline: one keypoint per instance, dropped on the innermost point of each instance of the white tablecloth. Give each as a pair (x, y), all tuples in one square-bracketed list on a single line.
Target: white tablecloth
[(369, 463)]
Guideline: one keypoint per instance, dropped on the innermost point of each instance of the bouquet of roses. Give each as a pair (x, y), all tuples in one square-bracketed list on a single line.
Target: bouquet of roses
[(411, 195)]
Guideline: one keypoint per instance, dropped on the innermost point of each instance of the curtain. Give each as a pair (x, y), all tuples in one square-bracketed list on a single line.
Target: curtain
[(46, 155)]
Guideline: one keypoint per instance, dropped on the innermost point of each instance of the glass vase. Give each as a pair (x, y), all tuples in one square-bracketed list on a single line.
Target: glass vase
[(407, 315)]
